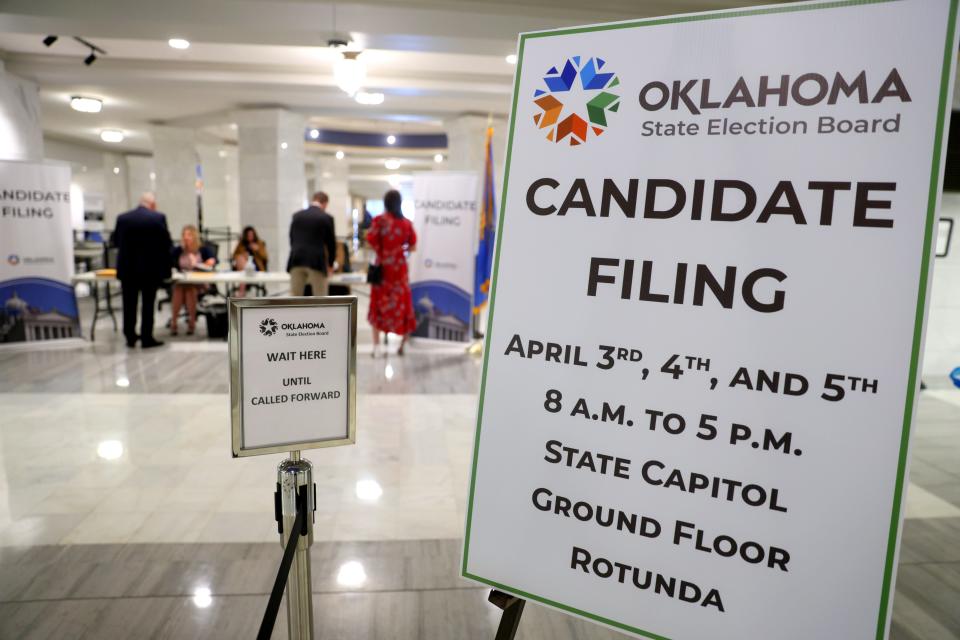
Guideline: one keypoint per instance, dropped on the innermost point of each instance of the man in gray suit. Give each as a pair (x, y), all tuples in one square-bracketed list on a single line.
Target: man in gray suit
[(313, 247)]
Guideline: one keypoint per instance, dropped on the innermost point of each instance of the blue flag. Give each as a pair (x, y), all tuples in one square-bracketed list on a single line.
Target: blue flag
[(488, 222)]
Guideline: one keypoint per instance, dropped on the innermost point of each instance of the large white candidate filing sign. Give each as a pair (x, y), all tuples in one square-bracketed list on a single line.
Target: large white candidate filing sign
[(293, 373), (707, 314)]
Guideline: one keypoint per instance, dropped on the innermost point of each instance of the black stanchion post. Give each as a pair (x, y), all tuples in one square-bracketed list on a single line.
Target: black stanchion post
[(510, 618)]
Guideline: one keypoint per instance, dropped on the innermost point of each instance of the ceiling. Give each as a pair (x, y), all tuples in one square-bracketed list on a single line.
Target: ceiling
[(433, 59)]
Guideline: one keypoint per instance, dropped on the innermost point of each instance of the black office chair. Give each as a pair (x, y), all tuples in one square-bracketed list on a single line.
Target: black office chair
[(343, 257)]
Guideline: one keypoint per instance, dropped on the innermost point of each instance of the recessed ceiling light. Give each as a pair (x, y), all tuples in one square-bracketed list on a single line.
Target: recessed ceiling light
[(116, 172), (222, 153), (393, 165), (314, 134), (178, 43), (391, 139), (153, 175), (284, 145), (86, 105), (111, 135), (438, 157), (365, 97), (340, 155), (512, 58)]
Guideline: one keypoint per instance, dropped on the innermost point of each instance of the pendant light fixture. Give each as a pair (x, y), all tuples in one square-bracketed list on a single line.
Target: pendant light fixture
[(349, 72)]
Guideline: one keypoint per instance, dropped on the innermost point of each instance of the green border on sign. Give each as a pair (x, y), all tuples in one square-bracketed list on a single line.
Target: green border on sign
[(918, 321)]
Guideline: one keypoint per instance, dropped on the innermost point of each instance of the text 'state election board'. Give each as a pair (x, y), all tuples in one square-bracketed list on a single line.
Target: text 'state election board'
[(293, 374), (707, 316)]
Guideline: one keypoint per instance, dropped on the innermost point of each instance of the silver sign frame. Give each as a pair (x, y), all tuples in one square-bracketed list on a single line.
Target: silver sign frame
[(236, 308)]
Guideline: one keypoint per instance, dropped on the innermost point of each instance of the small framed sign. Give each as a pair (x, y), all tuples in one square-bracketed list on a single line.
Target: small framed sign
[(293, 373)]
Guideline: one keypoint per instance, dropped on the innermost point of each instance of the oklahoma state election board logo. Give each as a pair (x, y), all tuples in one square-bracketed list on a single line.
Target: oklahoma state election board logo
[(570, 110), (268, 326)]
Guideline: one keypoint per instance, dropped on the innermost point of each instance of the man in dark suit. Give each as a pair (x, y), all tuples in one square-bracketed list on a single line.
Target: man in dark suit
[(313, 247), (143, 263)]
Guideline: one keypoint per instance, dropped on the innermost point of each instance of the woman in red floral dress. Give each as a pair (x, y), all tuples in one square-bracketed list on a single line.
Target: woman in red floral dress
[(391, 305)]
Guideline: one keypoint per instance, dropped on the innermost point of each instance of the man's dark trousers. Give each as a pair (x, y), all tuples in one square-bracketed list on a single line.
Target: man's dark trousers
[(133, 290)]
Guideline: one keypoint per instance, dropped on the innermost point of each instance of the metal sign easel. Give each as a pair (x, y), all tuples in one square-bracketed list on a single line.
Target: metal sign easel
[(512, 608)]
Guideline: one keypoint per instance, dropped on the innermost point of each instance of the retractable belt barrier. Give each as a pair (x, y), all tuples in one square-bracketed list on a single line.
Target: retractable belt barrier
[(299, 529)]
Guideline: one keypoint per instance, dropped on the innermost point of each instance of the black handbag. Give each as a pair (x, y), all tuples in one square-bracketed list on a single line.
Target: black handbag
[(375, 271), (375, 274)]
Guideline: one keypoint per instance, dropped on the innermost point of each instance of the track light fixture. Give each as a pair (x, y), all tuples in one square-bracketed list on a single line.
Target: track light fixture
[(94, 50)]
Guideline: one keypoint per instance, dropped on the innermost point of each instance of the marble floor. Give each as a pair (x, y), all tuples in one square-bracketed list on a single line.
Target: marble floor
[(123, 515)]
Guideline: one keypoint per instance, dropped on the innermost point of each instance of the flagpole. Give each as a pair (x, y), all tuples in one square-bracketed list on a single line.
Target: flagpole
[(484, 248)]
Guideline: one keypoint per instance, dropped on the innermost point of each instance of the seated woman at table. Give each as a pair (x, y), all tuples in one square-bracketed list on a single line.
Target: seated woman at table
[(252, 251), (189, 256)]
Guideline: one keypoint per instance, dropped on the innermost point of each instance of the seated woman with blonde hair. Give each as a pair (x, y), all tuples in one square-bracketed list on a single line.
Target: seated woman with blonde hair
[(189, 256)]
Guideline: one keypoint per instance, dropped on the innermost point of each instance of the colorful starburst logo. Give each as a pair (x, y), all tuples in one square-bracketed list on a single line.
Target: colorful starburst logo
[(574, 118)]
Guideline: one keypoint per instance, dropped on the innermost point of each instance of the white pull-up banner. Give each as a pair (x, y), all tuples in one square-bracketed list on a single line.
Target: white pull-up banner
[(708, 308), (37, 301), (441, 274)]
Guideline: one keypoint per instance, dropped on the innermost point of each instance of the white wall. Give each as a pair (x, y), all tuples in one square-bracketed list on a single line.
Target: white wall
[(86, 164), (942, 352), (21, 136)]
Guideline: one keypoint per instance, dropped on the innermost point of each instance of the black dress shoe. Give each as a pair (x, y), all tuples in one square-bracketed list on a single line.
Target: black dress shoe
[(132, 342), (149, 344)]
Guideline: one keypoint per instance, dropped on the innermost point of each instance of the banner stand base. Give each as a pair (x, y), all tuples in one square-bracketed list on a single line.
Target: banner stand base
[(512, 610), (475, 348)]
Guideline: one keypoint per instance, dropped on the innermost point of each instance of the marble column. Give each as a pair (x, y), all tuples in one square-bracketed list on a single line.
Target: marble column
[(141, 177), (218, 168), (116, 197), (272, 180), (466, 151), (466, 138), (20, 130), (332, 177), (175, 164), (465, 143)]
